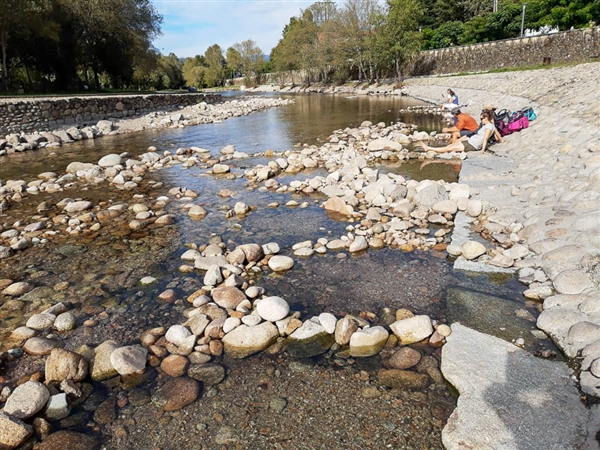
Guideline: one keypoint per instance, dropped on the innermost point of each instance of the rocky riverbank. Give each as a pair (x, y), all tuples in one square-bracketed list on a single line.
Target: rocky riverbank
[(546, 181), (385, 87), (200, 113), (226, 309), (51, 360)]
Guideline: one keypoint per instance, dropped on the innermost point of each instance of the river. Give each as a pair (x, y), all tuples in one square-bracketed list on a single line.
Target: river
[(331, 402)]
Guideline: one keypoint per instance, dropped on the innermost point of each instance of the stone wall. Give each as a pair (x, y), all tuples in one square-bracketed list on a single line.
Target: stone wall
[(564, 47), (41, 114)]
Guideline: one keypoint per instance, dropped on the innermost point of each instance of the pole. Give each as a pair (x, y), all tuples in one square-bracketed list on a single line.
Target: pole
[(523, 18)]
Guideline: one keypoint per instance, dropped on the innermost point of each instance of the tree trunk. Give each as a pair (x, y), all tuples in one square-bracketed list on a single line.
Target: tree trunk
[(4, 39)]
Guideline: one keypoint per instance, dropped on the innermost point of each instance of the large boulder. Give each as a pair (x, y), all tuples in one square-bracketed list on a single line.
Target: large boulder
[(244, 340), (494, 379)]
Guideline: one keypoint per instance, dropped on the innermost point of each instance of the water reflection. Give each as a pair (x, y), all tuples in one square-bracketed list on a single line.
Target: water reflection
[(310, 120)]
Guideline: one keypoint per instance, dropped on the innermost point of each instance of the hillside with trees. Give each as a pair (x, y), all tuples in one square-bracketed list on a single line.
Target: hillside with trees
[(75, 45)]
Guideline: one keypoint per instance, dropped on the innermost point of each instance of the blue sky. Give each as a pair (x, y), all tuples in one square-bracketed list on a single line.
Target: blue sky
[(191, 26)]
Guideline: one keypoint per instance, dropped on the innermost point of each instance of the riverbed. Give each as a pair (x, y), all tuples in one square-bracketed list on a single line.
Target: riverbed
[(329, 402)]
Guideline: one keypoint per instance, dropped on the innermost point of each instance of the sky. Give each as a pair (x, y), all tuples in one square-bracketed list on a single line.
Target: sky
[(191, 26)]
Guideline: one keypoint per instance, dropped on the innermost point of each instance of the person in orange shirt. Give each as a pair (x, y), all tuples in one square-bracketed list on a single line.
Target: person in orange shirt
[(465, 126)]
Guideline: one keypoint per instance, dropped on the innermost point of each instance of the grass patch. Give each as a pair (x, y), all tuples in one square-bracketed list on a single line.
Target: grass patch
[(521, 69)]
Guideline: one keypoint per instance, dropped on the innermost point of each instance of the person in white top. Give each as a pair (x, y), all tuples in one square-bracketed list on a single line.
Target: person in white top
[(478, 141)]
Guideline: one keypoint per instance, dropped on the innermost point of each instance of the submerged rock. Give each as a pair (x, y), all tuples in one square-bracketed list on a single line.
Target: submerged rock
[(311, 339)]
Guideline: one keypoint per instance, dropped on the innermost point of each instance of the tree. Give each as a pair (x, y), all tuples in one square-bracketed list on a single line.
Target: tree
[(22, 19), (355, 28), (250, 57), (215, 66), (171, 71), (193, 71), (234, 60), (398, 37)]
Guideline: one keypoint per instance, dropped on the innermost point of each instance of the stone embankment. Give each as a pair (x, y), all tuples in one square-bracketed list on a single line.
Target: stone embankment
[(543, 182), (387, 87), (49, 113), (174, 117)]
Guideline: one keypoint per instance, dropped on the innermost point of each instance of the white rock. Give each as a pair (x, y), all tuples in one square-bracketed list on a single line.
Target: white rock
[(177, 334), (27, 400), (280, 263), (65, 322), (147, 281), (129, 360), (230, 324), (472, 250), (368, 342), (271, 248), (79, 206), (358, 244), (328, 321), (272, 308), (57, 407), (413, 329), (213, 276), (110, 160), (244, 340), (40, 321), (251, 320)]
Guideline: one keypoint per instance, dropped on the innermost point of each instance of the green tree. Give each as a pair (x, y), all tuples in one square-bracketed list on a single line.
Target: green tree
[(251, 57), (215, 66), (398, 38), (234, 62), (23, 20)]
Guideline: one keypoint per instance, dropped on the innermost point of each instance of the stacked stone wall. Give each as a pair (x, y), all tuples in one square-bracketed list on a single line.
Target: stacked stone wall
[(564, 47), (29, 115)]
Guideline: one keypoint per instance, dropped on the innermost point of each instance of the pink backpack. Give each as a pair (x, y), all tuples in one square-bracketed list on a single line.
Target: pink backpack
[(517, 122)]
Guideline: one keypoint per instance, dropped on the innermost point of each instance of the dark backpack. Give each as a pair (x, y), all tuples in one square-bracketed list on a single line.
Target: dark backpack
[(501, 120)]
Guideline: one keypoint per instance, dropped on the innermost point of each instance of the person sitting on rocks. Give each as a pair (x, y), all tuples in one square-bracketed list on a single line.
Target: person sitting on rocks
[(478, 141), (451, 100), (465, 126)]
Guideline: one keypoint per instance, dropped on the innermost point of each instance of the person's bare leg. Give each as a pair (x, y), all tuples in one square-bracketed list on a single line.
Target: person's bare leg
[(422, 144), (456, 147), (455, 137)]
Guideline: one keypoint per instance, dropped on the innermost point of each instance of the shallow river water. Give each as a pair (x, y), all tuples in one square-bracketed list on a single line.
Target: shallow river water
[(330, 402)]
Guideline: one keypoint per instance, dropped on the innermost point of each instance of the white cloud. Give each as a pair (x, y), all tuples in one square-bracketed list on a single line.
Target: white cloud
[(191, 26)]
